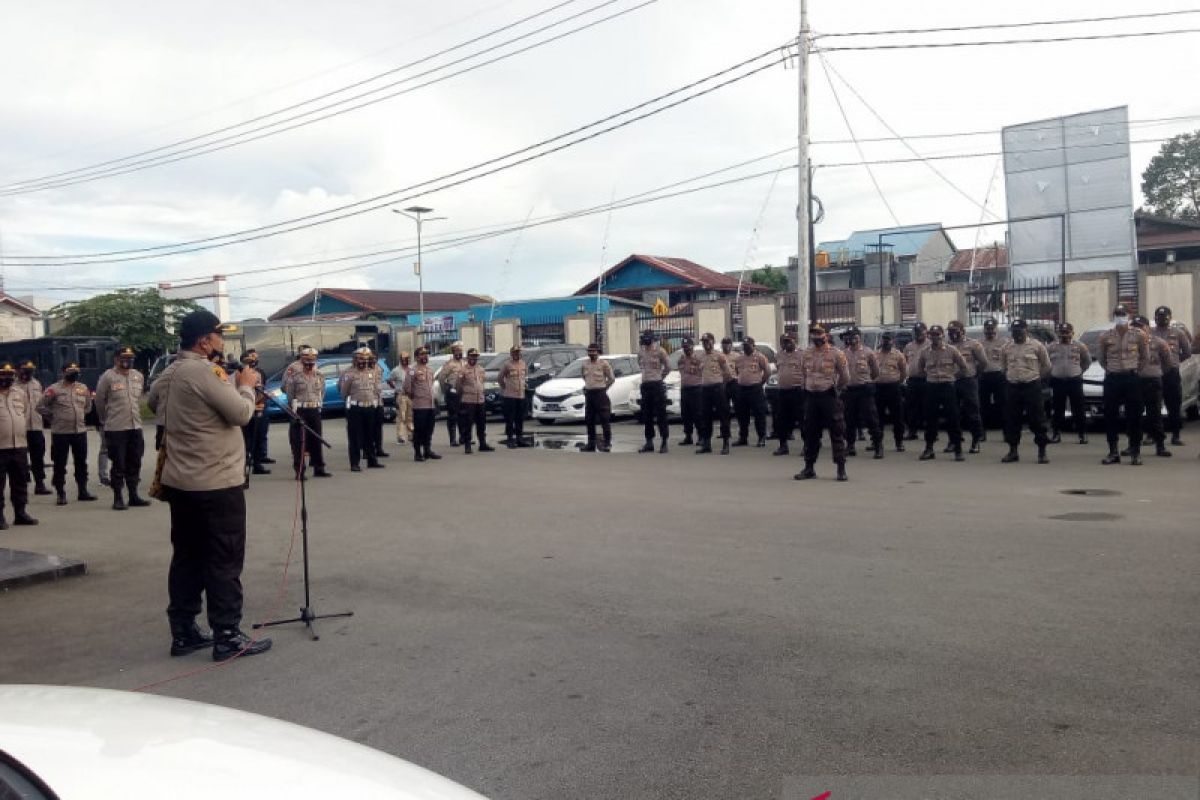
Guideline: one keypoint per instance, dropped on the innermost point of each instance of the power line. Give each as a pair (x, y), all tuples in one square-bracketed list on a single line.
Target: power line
[(454, 178), (996, 131), (100, 171), (1003, 25), (988, 43), (990, 154)]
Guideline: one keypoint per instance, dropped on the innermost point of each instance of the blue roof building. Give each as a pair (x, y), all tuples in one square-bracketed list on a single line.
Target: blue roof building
[(913, 254)]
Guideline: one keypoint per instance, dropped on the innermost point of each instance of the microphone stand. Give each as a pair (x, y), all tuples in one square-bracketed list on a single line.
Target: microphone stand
[(307, 612)]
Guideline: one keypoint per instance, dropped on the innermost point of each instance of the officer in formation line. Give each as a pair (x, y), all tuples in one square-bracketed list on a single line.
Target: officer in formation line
[(715, 377), (991, 382), (889, 399), (14, 447), (304, 388), (915, 407), (966, 387), (1150, 375), (655, 365), (118, 401), (256, 431), (691, 390), (512, 397), (1123, 352), (34, 433), (361, 388), (859, 398), (752, 370), (731, 383), (597, 378), (1181, 347), (1068, 361), (1025, 364), (790, 399), (472, 413), (404, 417), (418, 387), (938, 368), (67, 404), (448, 378), (823, 374)]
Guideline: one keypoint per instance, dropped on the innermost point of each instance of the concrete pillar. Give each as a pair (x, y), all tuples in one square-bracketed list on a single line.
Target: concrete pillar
[(763, 319), (1172, 285), (939, 303), (713, 317), (472, 335), (1090, 299), (579, 329), (405, 338), (620, 332), (872, 309), (505, 334)]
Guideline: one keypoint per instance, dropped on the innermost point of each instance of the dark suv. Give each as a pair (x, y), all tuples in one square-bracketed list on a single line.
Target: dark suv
[(542, 363)]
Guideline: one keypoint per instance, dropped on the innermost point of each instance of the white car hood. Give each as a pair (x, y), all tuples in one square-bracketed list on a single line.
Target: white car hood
[(557, 387), (99, 744)]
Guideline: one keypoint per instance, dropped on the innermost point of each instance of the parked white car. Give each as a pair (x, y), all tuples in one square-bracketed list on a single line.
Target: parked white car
[(560, 399), (673, 381), (59, 741), (1093, 379)]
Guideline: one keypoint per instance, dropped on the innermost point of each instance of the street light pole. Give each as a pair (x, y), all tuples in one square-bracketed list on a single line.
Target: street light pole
[(417, 215), (804, 203)]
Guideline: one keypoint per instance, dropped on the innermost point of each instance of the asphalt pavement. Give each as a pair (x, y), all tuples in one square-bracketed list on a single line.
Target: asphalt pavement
[(551, 624)]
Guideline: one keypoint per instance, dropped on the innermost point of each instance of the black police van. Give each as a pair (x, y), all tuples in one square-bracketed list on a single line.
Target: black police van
[(93, 354)]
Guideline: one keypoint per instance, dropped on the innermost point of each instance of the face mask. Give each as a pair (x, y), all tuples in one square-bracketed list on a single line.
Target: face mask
[(6, 382), (71, 377), (817, 341), (125, 363), (26, 374), (789, 346)]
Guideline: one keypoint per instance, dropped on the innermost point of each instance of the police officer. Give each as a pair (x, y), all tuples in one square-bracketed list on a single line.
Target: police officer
[(1122, 353), (471, 411), (655, 365), (67, 404), (889, 397), (1026, 364), (598, 376), (34, 433), (377, 396), (790, 400), (305, 391), (859, 397), (715, 374), (752, 374), (940, 366), (254, 432), (731, 384), (404, 417), (991, 382), (691, 390), (448, 378), (357, 388), (1181, 346), (1158, 354), (14, 460), (1068, 361), (967, 385), (118, 403), (914, 399), (824, 372), (418, 385), (512, 397)]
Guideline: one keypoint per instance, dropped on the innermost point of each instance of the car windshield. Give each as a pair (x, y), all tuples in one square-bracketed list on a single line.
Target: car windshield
[(574, 369)]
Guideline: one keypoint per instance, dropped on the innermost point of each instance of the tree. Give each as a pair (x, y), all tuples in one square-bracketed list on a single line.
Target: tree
[(1171, 183), (770, 276), (140, 318)]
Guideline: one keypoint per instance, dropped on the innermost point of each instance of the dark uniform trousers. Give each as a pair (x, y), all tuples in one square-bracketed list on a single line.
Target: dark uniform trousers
[(914, 403), (299, 438), (654, 409), (733, 399), (514, 416), (37, 454), (859, 402), (472, 414), (1152, 402), (967, 390), (752, 403), (1063, 391), (377, 429), (691, 398), (74, 445), (823, 411), (360, 433), (1172, 391), (424, 421), (453, 410), (14, 470), (1023, 402), (715, 407), (791, 413), (889, 403), (208, 537), (941, 400), (254, 436), (992, 390), (1123, 389), (597, 408), (125, 450)]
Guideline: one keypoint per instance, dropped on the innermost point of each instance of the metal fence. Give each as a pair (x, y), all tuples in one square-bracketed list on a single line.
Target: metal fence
[(833, 307), (1035, 301), (670, 328)]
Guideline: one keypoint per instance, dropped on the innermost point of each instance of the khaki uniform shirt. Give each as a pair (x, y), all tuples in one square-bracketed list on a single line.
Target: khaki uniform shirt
[(753, 369), (1025, 362), (654, 362), (418, 385), (992, 348), (1177, 341), (1158, 355), (203, 416), (912, 354), (448, 375), (691, 370), (359, 387), (893, 366), (824, 368), (66, 404), (469, 383), (1068, 360), (733, 358), (304, 389), (788, 368), (941, 364), (715, 368), (1125, 352), (119, 400), (14, 418), (512, 379), (974, 355), (33, 394), (863, 366), (156, 390), (599, 374)]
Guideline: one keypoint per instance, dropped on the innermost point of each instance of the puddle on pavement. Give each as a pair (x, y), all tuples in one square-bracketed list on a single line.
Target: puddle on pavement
[(1091, 492), (574, 443), (1087, 516)]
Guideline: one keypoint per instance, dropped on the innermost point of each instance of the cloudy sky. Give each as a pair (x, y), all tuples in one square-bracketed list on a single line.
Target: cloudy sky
[(85, 83)]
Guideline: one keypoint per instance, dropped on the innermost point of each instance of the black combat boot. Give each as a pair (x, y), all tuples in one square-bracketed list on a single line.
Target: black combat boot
[(62, 496), (590, 447), (927, 454), (21, 516), (1128, 451), (188, 638), (484, 447), (877, 446), (259, 469), (1042, 459), (949, 448), (40, 489), (807, 474), (1012, 456), (417, 455), (430, 455), (899, 445), (663, 447), (119, 500), (374, 464), (381, 454), (850, 449), (725, 446), (453, 441), (1112, 457), (705, 446), (648, 447), (605, 446), (84, 494), (1055, 438), (974, 445), (230, 642), (686, 440), (1135, 458), (1161, 450), (1175, 440), (958, 453), (321, 472), (135, 499), (467, 449), (762, 442), (1083, 438), (841, 472), (782, 450)]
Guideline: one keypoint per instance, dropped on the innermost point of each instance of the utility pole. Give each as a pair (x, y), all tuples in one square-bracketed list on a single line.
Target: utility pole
[(804, 203)]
